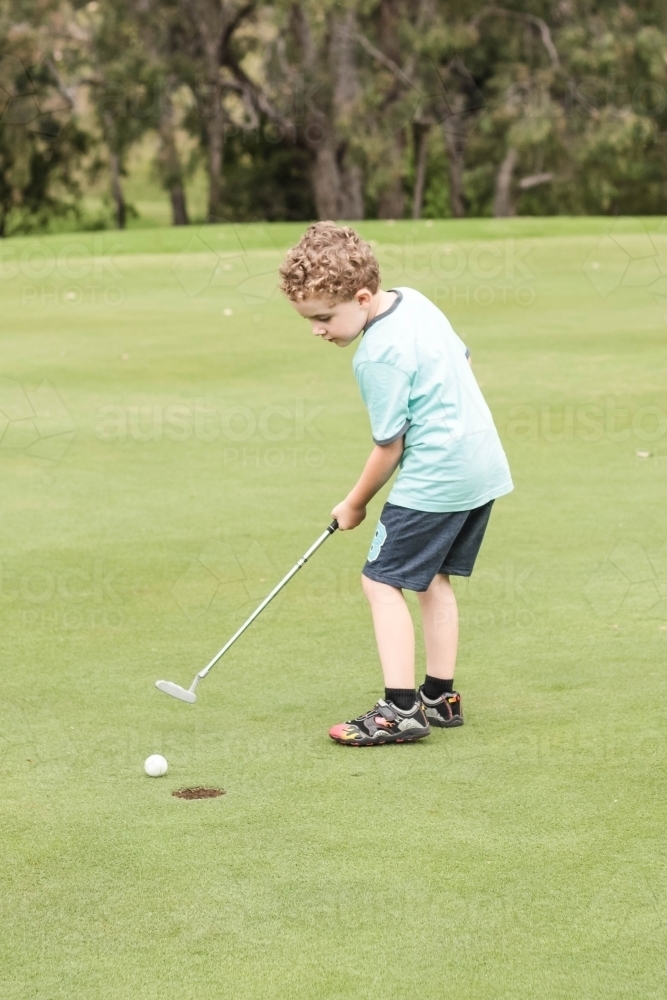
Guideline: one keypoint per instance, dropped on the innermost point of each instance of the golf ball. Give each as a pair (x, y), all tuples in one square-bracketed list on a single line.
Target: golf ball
[(155, 765)]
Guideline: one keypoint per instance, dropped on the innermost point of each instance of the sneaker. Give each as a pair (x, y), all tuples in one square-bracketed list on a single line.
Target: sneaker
[(444, 711), (383, 724)]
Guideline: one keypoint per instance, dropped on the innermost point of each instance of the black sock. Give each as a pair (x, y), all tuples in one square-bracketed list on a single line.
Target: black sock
[(403, 698), (433, 687)]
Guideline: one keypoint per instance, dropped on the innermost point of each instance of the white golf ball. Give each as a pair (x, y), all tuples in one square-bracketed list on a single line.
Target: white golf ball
[(155, 765)]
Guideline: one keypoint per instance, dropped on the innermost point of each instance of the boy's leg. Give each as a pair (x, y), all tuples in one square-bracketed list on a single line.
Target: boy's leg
[(399, 717), (440, 618), (394, 633)]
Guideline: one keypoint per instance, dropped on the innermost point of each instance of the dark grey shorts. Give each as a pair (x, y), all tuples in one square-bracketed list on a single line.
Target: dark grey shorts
[(411, 546)]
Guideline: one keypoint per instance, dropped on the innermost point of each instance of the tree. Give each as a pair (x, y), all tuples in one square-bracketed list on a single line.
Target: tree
[(124, 85), (321, 75), (617, 109), (340, 108), (40, 140), (422, 81), (158, 28), (211, 66)]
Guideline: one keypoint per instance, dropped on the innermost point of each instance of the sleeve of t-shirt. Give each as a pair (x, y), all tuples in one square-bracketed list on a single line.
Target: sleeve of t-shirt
[(385, 390)]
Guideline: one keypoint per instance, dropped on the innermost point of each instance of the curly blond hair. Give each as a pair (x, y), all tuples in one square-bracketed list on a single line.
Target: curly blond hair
[(329, 261)]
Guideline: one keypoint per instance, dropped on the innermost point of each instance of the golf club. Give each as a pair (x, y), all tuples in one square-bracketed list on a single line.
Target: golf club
[(188, 694)]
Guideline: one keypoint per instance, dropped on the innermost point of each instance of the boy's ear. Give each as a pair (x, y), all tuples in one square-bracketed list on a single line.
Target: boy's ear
[(363, 297)]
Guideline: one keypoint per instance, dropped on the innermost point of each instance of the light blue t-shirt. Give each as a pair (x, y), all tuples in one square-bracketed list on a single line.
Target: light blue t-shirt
[(416, 381)]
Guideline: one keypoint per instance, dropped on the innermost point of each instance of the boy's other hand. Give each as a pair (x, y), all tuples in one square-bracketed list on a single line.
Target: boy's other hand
[(348, 515)]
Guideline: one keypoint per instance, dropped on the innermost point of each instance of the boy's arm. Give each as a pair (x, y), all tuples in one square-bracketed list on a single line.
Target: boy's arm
[(379, 468)]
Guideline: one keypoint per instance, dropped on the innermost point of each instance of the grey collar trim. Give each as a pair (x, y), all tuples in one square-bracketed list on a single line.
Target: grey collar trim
[(392, 307)]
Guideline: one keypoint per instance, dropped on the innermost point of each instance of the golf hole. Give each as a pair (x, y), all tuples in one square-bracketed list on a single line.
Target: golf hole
[(198, 793)]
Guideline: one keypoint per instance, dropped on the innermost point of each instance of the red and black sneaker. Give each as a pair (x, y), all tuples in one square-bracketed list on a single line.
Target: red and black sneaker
[(383, 724), (444, 711)]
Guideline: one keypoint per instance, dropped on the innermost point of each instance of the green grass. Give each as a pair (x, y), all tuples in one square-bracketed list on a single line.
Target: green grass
[(520, 857)]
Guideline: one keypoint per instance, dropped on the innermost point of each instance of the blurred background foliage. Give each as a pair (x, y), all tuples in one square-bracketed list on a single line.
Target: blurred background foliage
[(157, 112)]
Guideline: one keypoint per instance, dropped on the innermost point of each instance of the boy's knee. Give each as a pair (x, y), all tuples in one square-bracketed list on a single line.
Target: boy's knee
[(367, 586), (441, 586), (379, 592)]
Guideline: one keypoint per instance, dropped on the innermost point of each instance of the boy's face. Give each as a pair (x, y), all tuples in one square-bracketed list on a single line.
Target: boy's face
[(339, 322)]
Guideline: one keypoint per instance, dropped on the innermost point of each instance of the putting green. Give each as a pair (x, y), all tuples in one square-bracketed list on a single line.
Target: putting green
[(173, 440)]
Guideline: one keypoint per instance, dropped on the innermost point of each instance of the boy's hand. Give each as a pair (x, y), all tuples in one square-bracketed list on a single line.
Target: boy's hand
[(348, 515)]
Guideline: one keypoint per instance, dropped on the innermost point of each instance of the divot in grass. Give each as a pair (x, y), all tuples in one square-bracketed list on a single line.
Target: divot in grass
[(198, 793)]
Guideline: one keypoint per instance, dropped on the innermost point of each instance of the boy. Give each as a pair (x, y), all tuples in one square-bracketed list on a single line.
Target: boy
[(429, 418)]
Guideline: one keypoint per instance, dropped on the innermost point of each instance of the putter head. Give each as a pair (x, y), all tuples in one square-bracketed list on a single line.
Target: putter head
[(176, 691)]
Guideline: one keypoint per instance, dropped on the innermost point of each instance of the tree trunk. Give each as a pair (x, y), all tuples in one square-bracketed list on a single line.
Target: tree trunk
[(389, 28), (326, 181), (169, 163), (455, 142), (391, 204), (337, 182), (420, 131), (342, 61), (115, 171), (351, 195), (299, 29), (503, 205), (343, 65), (179, 209), (215, 128), (464, 106), (117, 191)]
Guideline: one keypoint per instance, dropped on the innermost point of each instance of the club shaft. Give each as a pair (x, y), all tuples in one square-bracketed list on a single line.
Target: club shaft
[(267, 600)]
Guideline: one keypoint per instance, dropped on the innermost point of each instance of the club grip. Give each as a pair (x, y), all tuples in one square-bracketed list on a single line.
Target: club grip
[(333, 526)]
